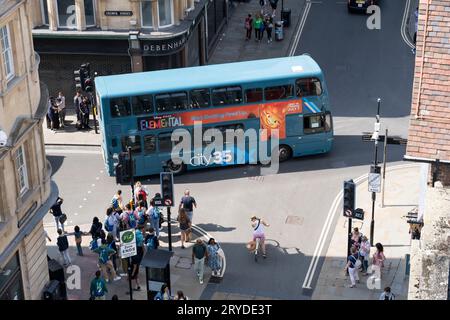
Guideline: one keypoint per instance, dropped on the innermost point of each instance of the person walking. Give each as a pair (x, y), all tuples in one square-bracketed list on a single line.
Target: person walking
[(257, 26), (180, 296), (57, 213), (77, 99), (130, 217), (387, 294), (84, 113), (96, 229), (164, 293), (151, 240), (356, 238), (273, 4), (378, 259), (248, 27), (153, 214), (416, 23), (111, 242), (269, 28), (188, 203), (117, 202), (352, 267), (63, 247), (53, 114), (141, 213), (262, 27), (214, 261), (104, 260), (199, 254), (185, 226), (364, 254), (112, 222), (78, 234), (140, 194), (61, 104), (98, 287)]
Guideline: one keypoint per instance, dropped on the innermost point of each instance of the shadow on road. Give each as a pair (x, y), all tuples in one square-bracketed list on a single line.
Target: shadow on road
[(56, 162)]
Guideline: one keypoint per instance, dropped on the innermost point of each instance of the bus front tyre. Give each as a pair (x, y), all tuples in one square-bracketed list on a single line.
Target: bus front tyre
[(284, 153), (176, 168)]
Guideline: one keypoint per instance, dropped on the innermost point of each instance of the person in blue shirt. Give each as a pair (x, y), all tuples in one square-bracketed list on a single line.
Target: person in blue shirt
[(164, 293), (98, 287)]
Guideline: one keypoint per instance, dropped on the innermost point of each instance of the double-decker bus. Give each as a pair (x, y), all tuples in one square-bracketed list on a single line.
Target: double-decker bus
[(141, 110)]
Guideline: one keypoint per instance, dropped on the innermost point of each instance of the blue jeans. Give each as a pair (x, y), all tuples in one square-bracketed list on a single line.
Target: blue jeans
[(79, 249), (155, 225)]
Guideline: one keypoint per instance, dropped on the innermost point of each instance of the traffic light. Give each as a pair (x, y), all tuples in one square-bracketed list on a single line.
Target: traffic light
[(349, 198), (85, 77), (123, 167), (77, 74), (167, 191)]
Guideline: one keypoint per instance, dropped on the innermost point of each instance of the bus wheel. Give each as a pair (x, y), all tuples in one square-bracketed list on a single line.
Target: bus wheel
[(176, 168), (284, 153)]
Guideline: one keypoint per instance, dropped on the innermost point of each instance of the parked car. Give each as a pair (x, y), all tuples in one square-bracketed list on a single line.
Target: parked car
[(360, 5)]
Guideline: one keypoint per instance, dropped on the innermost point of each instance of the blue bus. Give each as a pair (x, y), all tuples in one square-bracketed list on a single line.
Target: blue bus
[(141, 110)]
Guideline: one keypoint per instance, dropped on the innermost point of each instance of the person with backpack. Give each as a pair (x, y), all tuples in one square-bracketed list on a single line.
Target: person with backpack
[(140, 193), (63, 247), (98, 287), (185, 226), (153, 214), (104, 260), (248, 27), (112, 222), (364, 254), (111, 242), (262, 27), (387, 294), (269, 28), (353, 266), (164, 293), (188, 203), (141, 213), (117, 202), (199, 254), (57, 213), (130, 217), (257, 26), (151, 240)]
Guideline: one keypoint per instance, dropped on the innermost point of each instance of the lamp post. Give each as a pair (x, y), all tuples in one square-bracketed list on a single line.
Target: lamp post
[(134, 50), (375, 138)]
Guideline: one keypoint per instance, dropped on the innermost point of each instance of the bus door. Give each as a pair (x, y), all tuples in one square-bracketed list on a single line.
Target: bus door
[(135, 142), (316, 131), (151, 160)]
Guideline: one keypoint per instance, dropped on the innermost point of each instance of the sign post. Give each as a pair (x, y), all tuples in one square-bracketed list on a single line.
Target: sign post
[(127, 250)]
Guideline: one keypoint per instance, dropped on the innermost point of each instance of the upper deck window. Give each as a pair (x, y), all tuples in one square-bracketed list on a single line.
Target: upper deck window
[(120, 107), (254, 95), (175, 101), (279, 92), (308, 87), (200, 98), (142, 104), (226, 96)]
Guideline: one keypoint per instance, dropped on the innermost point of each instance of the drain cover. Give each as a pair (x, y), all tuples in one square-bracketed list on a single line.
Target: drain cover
[(294, 220)]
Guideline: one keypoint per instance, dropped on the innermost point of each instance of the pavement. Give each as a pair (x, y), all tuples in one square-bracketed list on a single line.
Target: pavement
[(391, 230)]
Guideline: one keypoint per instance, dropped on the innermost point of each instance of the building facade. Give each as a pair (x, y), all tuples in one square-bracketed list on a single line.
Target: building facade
[(26, 189), (429, 143), (121, 36)]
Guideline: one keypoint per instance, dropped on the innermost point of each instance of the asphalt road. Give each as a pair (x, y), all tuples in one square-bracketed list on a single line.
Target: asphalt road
[(360, 65)]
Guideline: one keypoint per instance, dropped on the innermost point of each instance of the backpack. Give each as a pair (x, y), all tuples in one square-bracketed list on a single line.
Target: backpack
[(357, 263), (142, 195), (99, 292), (389, 297), (108, 227), (142, 217), (131, 220), (93, 245), (152, 242), (115, 202), (103, 255), (155, 213)]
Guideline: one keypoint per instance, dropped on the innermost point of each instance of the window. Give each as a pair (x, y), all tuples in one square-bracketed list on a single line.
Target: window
[(226, 96), (131, 141), (171, 101), (308, 87), (165, 13), (120, 107), (21, 168), (142, 104), (278, 92), (254, 95), (44, 10), (200, 98), (146, 14), (165, 142), (316, 123), (89, 12), (66, 14), (149, 144), (7, 54)]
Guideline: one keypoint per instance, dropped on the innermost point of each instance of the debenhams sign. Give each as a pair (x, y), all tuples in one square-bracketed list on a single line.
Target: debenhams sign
[(162, 46)]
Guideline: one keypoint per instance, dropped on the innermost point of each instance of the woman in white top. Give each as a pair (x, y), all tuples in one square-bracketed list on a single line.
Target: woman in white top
[(258, 232), (364, 253)]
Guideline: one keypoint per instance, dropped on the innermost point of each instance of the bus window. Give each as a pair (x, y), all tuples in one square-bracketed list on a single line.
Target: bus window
[(120, 107), (278, 92), (165, 142), (200, 98), (226, 96), (308, 87), (131, 141), (149, 144), (175, 101), (142, 104), (114, 142), (316, 123), (253, 95)]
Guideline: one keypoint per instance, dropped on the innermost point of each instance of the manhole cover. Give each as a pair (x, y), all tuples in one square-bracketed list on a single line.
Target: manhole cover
[(294, 220), (184, 263)]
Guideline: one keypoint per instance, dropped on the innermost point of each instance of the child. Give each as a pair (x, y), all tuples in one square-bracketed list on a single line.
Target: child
[(63, 247), (78, 238)]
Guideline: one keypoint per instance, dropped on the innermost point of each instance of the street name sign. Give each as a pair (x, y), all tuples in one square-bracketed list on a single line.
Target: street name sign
[(375, 182)]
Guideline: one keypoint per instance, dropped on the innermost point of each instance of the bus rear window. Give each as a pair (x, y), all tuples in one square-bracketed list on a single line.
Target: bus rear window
[(142, 104), (226, 96), (200, 98), (254, 95), (149, 144), (174, 101), (278, 92), (131, 141), (120, 107), (316, 123), (165, 143), (308, 87)]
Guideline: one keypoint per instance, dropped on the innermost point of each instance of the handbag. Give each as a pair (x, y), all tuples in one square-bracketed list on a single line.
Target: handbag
[(62, 218)]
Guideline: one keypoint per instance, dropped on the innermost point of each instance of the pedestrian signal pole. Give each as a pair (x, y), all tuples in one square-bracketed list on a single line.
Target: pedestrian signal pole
[(349, 209), (375, 138)]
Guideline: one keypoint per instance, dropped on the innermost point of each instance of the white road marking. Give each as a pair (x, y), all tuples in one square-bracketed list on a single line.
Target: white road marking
[(403, 26), (326, 228), (97, 178), (75, 214), (49, 150), (93, 185), (80, 207), (84, 199), (89, 191), (300, 29)]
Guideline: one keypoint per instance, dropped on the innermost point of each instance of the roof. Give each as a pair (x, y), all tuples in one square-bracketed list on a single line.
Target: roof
[(205, 76), (429, 132), (7, 5)]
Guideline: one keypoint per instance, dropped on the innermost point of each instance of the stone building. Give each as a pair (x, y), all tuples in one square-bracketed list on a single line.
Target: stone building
[(26, 189), (121, 36), (429, 143)]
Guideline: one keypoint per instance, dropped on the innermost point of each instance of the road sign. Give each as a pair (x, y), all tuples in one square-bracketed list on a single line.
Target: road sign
[(128, 243), (358, 214), (375, 182)]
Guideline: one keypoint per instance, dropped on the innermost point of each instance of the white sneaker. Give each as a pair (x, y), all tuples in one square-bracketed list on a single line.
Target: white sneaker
[(117, 278), (201, 281)]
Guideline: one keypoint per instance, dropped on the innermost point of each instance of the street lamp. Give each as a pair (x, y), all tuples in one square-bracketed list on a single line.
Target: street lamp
[(134, 48), (375, 137)]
